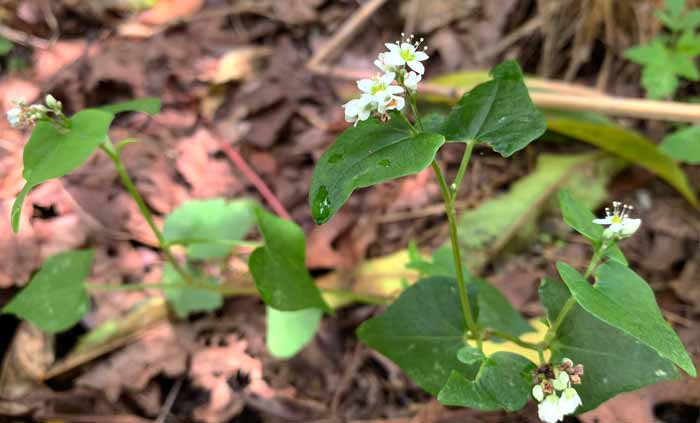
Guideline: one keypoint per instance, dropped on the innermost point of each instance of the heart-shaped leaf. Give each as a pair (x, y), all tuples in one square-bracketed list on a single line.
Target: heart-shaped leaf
[(498, 112), (187, 299), (55, 299), (614, 362), (279, 267), (422, 332), (623, 300), (504, 382), (289, 331), (197, 221), (149, 105), (52, 152), (366, 155)]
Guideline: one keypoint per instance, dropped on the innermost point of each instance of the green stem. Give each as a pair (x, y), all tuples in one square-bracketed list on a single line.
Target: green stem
[(515, 340), (414, 131), (452, 223), (414, 108), (462, 168), (595, 260), (128, 183)]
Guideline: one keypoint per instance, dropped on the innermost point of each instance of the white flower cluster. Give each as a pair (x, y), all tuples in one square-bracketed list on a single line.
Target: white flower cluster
[(552, 407), (620, 225), (402, 69), (23, 115)]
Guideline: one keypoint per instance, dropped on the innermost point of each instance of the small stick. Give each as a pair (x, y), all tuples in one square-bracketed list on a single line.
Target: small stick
[(335, 44), (27, 40)]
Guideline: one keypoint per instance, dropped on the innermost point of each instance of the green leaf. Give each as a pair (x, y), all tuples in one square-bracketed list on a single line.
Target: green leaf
[(149, 105), (494, 310), (421, 332), (622, 299), (279, 267), (55, 299), (578, 217), (683, 145), (365, 155), (187, 299), (614, 362), (689, 42), (652, 54), (660, 81), (52, 152), (197, 221), (504, 382), (630, 146), (289, 331), (470, 355), (684, 66), (5, 46), (498, 112)]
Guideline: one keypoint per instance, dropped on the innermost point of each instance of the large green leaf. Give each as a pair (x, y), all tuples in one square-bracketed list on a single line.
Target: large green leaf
[(289, 331), (279, 267), (187, 299), (614, 362), (498, 112), (683, 145), (55, 299), (365, 155), (624, 300), (494, 310), (150, 105), (504, 382), (52, 152), (422, 331), (630, 146), (220, 221)]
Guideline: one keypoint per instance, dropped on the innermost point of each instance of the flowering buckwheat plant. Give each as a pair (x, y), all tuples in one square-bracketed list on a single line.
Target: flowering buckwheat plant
[(209, 230), (437, 328)]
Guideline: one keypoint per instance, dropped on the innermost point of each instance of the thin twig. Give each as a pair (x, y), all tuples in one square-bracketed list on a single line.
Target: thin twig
[(343, 35), (170, 400), (27, 40)]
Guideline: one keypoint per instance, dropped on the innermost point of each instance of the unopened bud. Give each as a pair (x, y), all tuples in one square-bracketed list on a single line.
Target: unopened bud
[(52, 103), (538, 392), (575, 379)]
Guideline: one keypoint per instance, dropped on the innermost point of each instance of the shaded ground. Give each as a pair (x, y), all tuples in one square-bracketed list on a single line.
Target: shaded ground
[(280, 118)]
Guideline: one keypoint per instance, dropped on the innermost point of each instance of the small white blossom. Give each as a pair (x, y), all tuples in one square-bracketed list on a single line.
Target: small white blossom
[(549, 411), (620, 225), (387, 101), (405, 53), (359, 108), (380, 62), (380, 86), (569, 401), (14, 116), (411, 80), (538, 392)]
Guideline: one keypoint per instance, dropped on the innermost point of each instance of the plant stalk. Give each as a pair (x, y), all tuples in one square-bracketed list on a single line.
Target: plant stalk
[(128, 183), (454, 239)]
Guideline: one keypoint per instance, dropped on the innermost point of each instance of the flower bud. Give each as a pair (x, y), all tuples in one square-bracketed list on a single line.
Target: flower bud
[(538, 393)]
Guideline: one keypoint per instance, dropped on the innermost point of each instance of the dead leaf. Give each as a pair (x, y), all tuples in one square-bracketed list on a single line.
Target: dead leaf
[(320, 253), (163, 12), (687, 286), (226, 370), (208, 176), (29, 356), (21, 252), (159, 350), (48, 62), (234, 65)]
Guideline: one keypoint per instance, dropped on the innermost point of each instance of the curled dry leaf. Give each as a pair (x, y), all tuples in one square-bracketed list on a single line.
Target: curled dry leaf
[(228, 373), (29, 356), (234, 65), (159, 350)]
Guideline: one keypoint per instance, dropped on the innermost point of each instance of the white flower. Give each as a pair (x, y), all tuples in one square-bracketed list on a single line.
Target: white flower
[(380, 62), (404, 52), (411, 80), (569, 401), (538, 392), (386, 101), (548, 410), (379, 86), (359, 108), (14, 116), (620, 225)]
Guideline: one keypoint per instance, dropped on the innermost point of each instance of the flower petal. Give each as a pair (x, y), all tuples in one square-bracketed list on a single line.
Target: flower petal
[(394, 48), (416, 66), (394, 59), (421, 55), (605, 221), (365, 85)]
